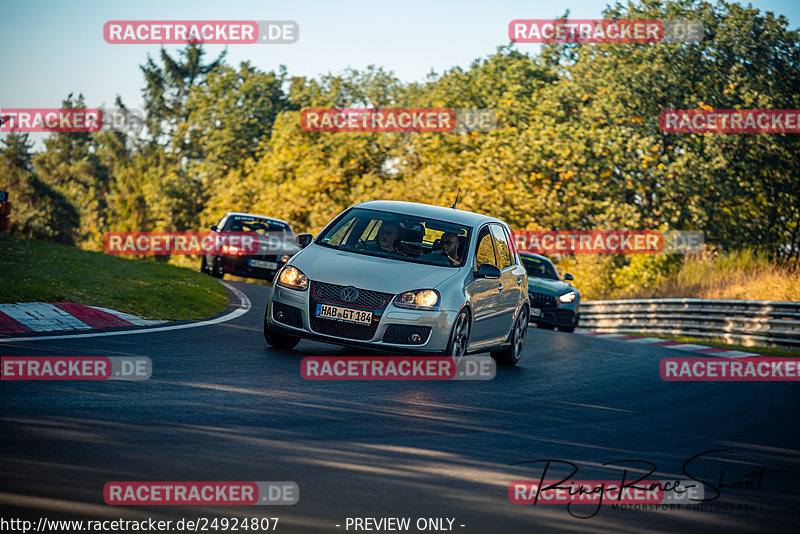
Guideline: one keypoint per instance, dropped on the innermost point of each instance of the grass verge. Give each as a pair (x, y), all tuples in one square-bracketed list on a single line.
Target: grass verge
[(37, 271)]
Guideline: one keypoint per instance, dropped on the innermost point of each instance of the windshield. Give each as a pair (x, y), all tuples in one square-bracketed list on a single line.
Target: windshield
[(264, 227), (539, 268), (399, 236)]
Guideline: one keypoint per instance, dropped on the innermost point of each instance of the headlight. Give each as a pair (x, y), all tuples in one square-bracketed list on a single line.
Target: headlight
[(293, 278), (421, 299), (232, 250), (568, 297)]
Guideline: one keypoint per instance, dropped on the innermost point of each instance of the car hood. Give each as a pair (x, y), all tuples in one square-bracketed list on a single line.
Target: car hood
[(323, 264), (276, 245), (549, 286)]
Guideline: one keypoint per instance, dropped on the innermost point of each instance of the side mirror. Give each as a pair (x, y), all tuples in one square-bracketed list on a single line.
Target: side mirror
[(303, 240), (214, 228), (487, 270), (568, 277)]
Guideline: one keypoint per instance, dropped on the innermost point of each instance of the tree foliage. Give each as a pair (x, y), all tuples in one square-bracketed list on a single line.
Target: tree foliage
[(577, 143)]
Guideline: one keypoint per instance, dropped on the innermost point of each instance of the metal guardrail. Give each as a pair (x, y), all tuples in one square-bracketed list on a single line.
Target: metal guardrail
[(745, 322)]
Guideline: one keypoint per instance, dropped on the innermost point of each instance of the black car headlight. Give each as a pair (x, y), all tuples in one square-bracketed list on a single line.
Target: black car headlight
[(420, 299), (293, 278)]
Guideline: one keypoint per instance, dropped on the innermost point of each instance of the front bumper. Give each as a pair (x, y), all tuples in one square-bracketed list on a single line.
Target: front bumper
[(565, 315), (393, 329), (240, 266)]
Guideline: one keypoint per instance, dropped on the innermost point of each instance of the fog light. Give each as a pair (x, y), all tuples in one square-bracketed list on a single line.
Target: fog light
[(279, 314), (415, 338)]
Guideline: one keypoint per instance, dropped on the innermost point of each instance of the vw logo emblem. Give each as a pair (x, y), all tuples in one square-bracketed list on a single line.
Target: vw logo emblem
[(349, 294)]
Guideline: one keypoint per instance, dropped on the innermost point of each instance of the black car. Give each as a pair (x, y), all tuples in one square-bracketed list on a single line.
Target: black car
[(275, 247), (554, 302)]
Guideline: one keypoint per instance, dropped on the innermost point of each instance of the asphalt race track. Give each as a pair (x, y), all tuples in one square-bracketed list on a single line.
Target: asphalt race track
[(221, 406)]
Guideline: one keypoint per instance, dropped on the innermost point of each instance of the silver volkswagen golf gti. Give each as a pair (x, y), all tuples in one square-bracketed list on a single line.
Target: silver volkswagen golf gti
[(404, 277)]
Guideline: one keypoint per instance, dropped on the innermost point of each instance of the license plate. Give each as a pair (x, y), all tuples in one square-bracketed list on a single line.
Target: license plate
[(536, 312), (263, 264), (346, 315)]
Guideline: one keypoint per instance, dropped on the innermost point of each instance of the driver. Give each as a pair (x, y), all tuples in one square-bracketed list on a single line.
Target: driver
[(449, 250), (388, 235)]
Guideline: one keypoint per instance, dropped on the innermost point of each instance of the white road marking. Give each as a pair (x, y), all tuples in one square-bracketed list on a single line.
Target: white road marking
[(244, 307)]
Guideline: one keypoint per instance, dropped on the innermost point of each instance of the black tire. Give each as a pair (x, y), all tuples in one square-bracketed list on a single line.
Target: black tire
[(204, 265), (279, 340), (512, 354), (216, 269), (459, 337)]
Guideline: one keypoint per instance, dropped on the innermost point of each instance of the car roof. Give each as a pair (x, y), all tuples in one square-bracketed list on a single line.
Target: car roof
[(536, 257), (241, 214), (428, 211)]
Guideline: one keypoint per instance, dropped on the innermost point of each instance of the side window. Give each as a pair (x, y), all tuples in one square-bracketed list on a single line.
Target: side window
[(485, 251), (505, 258), (515, 260)]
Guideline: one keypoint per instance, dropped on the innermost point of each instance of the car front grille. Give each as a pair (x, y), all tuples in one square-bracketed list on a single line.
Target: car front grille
[(542, 300), (342, 329), (322, 292), (401, 334), (371, 300)]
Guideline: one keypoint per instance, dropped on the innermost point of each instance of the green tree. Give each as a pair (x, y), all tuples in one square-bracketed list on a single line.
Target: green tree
[(39, 212), (70, 166)]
